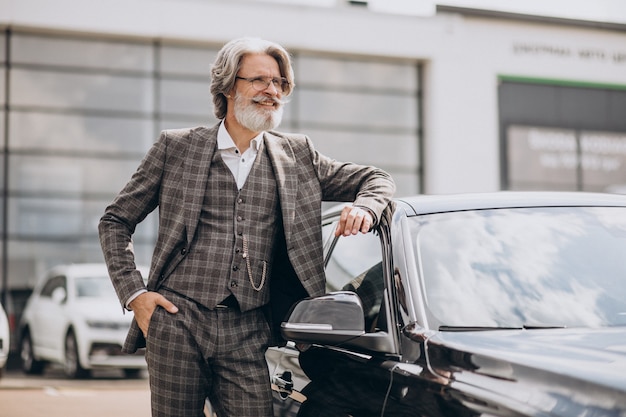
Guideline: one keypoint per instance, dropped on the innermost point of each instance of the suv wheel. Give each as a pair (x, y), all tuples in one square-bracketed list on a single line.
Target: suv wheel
[(30, 365), (71, 366)]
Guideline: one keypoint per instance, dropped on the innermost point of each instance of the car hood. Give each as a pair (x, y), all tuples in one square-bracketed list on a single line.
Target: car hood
[(102, 310), (575, 367)]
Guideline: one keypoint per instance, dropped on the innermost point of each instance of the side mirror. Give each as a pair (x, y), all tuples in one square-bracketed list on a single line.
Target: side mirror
[(330, 319), (59, 295)]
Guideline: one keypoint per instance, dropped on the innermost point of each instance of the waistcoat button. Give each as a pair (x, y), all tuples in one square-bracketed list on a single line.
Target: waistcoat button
[(233, 283)]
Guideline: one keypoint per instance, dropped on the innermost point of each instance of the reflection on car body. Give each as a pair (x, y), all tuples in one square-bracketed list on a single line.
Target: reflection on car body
[(501, 304), (74, 318)]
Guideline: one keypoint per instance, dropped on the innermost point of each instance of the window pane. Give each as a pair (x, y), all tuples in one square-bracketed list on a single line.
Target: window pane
[(541, 158), (191, 61), (347, 73), (603, 160), (407, 183), (2, 85), (355, 265), (2, 196), (45, 217), (69, 176), (81, 91), (182, 123), (2, 141), (2, 49), (186, 97), (358, 109), (367, 148), (352, 256), (58, 218), (82, 53), (41, 132), (29, 259)]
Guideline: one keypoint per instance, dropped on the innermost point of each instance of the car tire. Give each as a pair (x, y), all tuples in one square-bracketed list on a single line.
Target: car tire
[(71, 365), (30, 365)]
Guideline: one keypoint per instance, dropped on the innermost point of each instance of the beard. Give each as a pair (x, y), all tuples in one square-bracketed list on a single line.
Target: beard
[(257, 118)]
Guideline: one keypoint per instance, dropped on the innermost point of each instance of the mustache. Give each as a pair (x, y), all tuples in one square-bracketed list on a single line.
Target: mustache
[(275, 100)]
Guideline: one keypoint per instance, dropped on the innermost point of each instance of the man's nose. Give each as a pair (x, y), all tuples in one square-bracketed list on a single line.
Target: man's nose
[(272, 89)]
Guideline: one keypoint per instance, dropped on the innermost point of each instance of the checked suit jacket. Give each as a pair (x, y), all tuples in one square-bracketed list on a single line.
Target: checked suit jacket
[(173, 177)]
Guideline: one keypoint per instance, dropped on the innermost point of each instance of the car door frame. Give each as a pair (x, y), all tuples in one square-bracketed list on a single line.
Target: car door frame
[(287, 378)]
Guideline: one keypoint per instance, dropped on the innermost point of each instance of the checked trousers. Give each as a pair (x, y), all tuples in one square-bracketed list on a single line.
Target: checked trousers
[(199, 353)]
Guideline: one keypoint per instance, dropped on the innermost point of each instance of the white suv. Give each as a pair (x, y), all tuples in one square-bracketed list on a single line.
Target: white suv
[(74, 318)]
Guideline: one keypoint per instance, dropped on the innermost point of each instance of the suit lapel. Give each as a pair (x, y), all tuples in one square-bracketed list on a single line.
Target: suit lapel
[(283, 162), (202, 145)]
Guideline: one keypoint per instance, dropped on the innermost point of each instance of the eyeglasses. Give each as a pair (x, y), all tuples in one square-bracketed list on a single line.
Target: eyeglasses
[(260, 84)]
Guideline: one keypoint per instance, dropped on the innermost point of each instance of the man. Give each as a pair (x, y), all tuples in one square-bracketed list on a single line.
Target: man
[(239, 237)]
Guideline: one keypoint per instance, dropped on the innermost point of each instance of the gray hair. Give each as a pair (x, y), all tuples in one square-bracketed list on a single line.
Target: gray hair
[(228, 63)]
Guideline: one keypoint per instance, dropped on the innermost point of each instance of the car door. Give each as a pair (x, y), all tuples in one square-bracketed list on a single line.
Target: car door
[(352, 263), (47, 323)]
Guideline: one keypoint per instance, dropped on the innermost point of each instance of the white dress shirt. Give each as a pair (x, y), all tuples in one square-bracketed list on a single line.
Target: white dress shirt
[(239, 163)]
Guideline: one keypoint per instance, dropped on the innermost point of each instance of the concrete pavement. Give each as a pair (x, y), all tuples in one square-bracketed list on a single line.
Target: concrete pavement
[(51, 395)]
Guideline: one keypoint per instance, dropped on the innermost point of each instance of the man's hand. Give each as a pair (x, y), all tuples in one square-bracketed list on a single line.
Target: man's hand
[(354, 220), (144, 305)]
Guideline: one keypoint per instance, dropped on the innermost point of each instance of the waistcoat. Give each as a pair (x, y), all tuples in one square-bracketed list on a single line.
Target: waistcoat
[(232, 250)]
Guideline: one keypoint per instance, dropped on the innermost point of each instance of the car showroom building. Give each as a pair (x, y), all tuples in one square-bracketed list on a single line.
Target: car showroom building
[(461, 100)]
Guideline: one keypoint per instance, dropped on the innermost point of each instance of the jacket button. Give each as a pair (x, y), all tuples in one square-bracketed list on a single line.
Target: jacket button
[(239, 218), (183, 251)]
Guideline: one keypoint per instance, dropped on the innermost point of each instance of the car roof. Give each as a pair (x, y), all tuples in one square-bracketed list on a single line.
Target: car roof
[(427, 204)]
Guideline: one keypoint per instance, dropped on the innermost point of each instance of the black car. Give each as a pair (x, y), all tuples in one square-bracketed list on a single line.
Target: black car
[(497, 304)]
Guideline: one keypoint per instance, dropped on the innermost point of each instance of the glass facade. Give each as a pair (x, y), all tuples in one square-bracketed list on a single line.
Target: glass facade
[(77, 115)]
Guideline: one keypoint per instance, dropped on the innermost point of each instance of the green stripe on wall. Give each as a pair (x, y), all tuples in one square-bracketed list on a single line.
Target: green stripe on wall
[(554, 81)]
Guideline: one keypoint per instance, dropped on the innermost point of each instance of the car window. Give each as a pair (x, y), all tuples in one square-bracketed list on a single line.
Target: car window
[(52, 284), (532, 267), (95, 287), (354, 263)]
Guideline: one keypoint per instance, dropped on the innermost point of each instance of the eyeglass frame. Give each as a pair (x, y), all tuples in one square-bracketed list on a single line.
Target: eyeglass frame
[(284, 83)]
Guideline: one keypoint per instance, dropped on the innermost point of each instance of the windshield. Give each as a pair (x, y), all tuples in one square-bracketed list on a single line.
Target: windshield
[(99, 287), (524, 267)]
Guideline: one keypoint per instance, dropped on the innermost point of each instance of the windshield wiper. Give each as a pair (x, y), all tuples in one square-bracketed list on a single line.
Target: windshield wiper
[(543, 326), (488, 328), (474, 328)]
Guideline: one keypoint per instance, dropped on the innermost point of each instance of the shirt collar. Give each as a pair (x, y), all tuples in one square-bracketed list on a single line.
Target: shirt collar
[(225, 141)]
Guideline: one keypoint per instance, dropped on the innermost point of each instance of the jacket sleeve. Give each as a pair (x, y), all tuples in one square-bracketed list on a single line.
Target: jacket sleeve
[(138, 198), (365, 186)]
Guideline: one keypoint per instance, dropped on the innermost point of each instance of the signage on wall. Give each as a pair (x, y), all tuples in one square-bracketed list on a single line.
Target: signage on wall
[(565, 157), (566, 52)]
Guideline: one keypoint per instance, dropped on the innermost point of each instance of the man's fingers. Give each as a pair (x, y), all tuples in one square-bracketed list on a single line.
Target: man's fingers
[(366, 225), (353, 220), (167, 305), (345, 222), (144, 305)]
